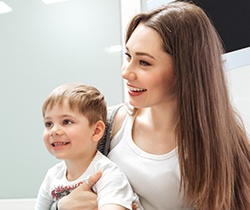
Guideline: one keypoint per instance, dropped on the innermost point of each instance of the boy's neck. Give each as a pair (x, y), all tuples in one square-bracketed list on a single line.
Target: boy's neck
[(76, 167)]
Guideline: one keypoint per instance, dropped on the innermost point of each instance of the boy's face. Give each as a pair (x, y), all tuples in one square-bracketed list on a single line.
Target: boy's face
[(67, 134)]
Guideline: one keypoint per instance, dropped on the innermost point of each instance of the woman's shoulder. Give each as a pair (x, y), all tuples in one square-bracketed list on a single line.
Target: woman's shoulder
[(121, 113), (115, 118)]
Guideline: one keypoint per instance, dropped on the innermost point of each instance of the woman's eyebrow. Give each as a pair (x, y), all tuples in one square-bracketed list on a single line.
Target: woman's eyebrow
[(145, 54), (142, 54)]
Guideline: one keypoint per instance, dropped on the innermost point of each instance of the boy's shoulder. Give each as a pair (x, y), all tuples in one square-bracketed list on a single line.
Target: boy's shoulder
[(59, 167), (102, 160), (103, 163)]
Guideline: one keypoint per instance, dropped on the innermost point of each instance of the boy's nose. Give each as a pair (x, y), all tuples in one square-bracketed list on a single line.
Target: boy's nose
[(56, 131)]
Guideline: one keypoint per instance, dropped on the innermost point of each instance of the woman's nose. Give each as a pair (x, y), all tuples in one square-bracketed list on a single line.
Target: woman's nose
[(128, 71)]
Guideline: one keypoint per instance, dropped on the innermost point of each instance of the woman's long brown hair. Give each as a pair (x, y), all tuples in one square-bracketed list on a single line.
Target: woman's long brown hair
[(214, 153)]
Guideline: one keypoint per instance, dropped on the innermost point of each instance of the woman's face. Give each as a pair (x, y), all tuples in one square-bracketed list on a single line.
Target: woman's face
[(148, 71)]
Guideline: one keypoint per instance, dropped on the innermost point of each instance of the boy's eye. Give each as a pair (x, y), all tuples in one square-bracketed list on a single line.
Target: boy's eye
[(48, 124), (67, 122)]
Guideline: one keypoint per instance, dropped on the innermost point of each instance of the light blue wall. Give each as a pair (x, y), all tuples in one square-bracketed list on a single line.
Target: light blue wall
[(42, 46)]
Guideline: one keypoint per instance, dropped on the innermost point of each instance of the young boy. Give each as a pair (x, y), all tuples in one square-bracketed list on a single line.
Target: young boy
[(74, 116)]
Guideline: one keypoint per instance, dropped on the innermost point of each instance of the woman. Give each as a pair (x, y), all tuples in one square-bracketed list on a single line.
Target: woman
[(182, 146)]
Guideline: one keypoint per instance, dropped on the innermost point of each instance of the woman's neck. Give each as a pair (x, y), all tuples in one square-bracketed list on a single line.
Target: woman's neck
[(154, 130)]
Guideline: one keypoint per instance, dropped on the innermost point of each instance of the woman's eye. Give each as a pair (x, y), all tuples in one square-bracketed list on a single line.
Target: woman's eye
[(67, 122), (144, 63), (127, 56), (48, 124)]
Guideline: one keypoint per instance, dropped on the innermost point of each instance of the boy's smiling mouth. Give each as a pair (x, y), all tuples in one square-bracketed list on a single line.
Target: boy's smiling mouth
[(58, 144)]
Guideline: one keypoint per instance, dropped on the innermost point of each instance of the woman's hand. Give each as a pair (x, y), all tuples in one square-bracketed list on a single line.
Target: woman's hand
[(134, 206), (82, 198)]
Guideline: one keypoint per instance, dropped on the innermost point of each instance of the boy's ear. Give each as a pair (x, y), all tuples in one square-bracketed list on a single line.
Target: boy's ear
[(98, 131)]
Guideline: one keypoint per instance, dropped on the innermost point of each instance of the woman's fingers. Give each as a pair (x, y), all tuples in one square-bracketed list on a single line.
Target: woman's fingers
[(82, 197), (134, 206), (90, 182)]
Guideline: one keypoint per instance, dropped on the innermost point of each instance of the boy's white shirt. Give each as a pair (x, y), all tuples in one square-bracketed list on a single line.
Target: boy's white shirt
[(112, 188)]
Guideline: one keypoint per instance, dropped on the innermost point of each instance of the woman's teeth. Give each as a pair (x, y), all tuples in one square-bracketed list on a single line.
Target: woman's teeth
[(133, 89)]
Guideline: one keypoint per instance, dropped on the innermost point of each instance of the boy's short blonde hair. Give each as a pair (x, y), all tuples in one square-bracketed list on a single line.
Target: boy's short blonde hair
[(84, 98)]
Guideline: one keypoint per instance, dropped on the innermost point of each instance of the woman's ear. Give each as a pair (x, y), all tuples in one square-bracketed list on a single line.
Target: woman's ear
[(99, 129)]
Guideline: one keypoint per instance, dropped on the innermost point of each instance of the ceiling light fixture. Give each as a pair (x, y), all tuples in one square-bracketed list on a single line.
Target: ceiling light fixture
[(4, 8), (53, 1)]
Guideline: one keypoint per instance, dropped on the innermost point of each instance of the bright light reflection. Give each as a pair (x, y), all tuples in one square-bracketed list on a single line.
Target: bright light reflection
[(4, 8), (113, 49), (53, 1)]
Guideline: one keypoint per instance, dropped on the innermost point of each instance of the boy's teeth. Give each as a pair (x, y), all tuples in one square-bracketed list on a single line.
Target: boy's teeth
[(58, 144)]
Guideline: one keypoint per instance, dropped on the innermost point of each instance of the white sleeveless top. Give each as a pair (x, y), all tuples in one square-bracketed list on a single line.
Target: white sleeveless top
[(155, 178)]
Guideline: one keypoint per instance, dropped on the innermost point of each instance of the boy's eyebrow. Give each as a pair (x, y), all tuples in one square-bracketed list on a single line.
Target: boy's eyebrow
[(61, 116), (46, 118), (66, 115)]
